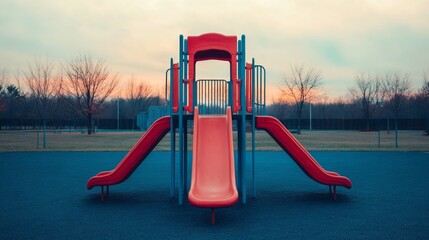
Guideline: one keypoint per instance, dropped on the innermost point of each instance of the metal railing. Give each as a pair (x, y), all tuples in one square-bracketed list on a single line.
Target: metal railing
[(260, 95), (212, 95)]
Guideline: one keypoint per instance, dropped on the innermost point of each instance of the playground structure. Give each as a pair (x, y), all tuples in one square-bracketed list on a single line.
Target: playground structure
[(216, 107)]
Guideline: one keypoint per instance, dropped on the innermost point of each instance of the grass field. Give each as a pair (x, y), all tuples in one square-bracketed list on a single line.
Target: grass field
[(11, 141)]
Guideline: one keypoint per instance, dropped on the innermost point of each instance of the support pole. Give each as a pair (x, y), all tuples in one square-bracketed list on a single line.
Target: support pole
[(253, 127), (172, 133), (37, 131), (185, 156), (181, 186), (239, 165), (396, 132), (117, 114), (335, 192), (173, 160), (243, 118), (44, 131)]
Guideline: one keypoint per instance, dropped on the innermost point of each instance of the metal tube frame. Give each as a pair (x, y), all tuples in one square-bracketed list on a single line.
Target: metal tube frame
[(179, 120)]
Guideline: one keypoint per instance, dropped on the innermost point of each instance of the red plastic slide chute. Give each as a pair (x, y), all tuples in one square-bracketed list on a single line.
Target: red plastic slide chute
[(134, 157), (299, 154), (213, 174)]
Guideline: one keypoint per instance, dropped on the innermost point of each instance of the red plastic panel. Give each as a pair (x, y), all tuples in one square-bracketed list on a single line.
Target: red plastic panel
[(175, 87), (134, 157), (213, 174), (249, 87), (212, 46), (299, 154)]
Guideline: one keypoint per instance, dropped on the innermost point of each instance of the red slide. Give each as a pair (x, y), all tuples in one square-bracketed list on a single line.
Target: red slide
[(213, 174), (299, 154), (134, 157)]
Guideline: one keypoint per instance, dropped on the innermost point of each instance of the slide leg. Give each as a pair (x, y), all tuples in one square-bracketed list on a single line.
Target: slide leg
[(334, 192), (102, 193), (107, 191), (213, 216)]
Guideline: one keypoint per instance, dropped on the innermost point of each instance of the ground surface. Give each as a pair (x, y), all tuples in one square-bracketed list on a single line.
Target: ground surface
[(44, 196), (11, 141)]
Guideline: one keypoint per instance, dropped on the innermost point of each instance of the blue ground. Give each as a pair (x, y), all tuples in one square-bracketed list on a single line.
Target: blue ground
[(44, 196)]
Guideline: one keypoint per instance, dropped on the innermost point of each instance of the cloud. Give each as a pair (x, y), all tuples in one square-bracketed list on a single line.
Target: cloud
[(138, 37)]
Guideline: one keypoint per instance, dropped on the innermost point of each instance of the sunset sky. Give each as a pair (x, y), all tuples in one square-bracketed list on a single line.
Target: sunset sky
[(137, 38)]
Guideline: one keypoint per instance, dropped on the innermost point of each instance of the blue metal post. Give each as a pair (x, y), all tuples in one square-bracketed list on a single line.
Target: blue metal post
[(185, 156), (239, 172), (172, 134), (181, 120), (243, 119), (185, 125), (265, 91), (253, 127), (185, 70)]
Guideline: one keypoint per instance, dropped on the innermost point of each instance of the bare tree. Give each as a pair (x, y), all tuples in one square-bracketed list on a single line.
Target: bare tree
[(396, 88), (90, 84), (138, 96), (423, 97), (12, 101), (45, 84), (300, 85), (3, 83), (367, 95)]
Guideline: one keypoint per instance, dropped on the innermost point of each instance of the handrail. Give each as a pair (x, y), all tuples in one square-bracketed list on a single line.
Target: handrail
[(212, 95), (255, 88)]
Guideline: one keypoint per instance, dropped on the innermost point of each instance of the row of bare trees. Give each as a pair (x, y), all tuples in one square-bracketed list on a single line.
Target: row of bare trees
[(371, 94), (82, 86)]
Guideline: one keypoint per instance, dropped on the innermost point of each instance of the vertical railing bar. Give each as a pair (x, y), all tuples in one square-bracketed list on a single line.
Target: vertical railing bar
[(207, 95), (258, 83), (204, 97), (218, 98), (225, 100), (198, 87), (211, 97), (215, 98), (262, 93), (256, 89), (265, 91)]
